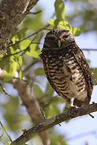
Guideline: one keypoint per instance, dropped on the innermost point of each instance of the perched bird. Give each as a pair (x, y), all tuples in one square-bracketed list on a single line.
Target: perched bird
[(66, 67)]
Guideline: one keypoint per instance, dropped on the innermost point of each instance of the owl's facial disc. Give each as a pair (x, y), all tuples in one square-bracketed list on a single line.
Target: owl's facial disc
[(58, 38)]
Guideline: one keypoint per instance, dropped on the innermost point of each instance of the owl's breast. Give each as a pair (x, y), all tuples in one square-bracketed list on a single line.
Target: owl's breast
[(65, 76), (78, 84)]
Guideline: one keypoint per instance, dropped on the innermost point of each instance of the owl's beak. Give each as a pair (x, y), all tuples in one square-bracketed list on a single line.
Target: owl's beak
[(59, 43)]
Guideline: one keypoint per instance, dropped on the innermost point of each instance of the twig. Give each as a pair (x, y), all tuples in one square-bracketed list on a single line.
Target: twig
[(20, 51), (48, 123), (89, 49), (30, 65), (28, 47), (43, 114), (5, 131), (6, 56), (3, 89), (26, 13), (28, 36)]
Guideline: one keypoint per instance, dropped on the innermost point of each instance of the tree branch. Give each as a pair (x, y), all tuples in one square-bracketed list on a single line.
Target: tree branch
[(89, 49), (11, 14), (31, 104), (48, 123)]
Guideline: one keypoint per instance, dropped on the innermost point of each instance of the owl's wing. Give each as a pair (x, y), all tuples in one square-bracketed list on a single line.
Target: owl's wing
[(88, 74), (82, 59)]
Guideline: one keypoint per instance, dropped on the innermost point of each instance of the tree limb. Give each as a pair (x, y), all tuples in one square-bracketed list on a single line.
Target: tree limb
[(11, 14), (48, 123), (31, 104)]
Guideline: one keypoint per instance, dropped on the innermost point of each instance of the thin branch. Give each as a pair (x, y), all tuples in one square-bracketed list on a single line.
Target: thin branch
[(89, 49), (5, 131), (48, 123), (28, 36), (27, 12), (28, 47), (3, 89), (21, 52), (43, 114), (35, 13), (30, 65)]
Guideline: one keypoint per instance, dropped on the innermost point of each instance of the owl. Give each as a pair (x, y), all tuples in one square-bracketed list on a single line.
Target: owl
[(66, 68)]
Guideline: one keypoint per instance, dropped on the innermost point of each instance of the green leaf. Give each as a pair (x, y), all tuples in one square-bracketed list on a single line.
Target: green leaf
[(20, 74), (59, 100), (49, 90), (37, 91), (60, 139), (48, 94), (20, 60), (75, 31), (24, 44), (12, 115), (30, 49), (59, 9), (34, 23), (39, 71), (51, 22), (56, 23), (10, 70), (33, 52), (65, 25), (52, 110), (22, 33), (14, 38), (4, 62), (9, 63), (19, 35)]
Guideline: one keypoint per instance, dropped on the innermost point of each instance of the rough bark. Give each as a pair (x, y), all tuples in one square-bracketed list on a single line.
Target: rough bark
[(12, 13)]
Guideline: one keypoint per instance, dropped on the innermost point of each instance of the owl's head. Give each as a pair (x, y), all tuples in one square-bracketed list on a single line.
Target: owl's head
[(58, 38)]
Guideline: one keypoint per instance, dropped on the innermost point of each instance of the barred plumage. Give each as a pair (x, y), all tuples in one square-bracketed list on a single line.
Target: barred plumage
[(66, 67)]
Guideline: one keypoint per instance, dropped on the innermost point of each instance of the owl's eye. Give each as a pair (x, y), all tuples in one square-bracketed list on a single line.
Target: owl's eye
[(51, 38), (65, 36)]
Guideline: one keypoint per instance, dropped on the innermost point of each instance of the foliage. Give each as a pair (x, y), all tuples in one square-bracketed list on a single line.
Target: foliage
[(59, 139), (60, 16), (24, 48)]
